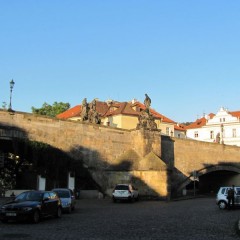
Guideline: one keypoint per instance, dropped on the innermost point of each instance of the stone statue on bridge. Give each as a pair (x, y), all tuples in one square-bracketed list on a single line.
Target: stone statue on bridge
[(89, 112), (147, 102), (93, 115), (145, 118), (85, 109)]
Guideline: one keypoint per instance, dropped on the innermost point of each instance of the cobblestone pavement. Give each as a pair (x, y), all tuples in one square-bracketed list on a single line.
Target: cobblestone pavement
[(194, 219)]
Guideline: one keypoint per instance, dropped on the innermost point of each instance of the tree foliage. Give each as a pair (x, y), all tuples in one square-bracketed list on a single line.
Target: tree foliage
[(51, 110)]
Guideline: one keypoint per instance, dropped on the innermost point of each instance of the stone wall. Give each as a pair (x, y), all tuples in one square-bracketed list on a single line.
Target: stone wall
[(156, 164), (203, 157), (106, 152)]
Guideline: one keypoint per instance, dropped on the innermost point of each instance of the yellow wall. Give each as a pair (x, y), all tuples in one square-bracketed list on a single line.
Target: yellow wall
[(130, 122), (163, 126), (121, 121)]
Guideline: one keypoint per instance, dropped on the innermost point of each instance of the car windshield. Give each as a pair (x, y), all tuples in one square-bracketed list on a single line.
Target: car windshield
[(29, 196), (63, 194), (121, 187)]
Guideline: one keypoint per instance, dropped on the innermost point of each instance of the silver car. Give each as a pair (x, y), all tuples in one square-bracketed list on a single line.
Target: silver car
[(221, 198), (125, 192), (68, 200)]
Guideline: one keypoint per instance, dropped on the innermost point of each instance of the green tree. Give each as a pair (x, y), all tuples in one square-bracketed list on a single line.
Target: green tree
[(4, 105), (51, 110)]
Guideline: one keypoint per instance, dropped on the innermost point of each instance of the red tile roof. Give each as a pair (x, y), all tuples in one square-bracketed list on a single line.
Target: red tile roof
[(123, 108), (114, 108), (154, 113), (235, 114), (200, 122), (101, 108), (180, 127), (71, 112)]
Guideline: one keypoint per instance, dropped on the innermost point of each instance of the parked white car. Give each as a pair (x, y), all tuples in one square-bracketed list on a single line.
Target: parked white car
[(125, 192), (221, 198), (68, 200)]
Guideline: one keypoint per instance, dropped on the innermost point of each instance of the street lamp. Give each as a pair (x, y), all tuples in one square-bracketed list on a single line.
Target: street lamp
[(11, 88)]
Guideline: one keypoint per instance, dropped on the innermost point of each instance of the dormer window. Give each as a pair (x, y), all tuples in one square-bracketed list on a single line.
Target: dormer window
[(112, 109), (136, 108)]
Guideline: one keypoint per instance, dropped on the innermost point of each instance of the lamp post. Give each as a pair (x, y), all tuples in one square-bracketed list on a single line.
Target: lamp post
[(11, 88), (195, 178)]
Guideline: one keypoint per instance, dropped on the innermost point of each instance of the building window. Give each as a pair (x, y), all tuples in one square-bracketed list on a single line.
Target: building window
[(196, 134), (168, 131), (211, 134), (234, 133)]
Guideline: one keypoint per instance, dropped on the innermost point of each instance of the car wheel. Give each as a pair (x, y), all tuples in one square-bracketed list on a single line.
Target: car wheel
[(36, 217), (222, 205), (59, 212)]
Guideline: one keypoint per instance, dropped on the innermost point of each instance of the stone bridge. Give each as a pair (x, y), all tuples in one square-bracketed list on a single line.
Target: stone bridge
[(159, 166)]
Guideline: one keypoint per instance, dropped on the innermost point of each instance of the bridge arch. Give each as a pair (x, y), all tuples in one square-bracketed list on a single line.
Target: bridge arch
[(219, 167), (231, 169)]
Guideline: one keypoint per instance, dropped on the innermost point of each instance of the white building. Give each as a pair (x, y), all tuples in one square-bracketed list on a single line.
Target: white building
[(224, 128), (179, 131)]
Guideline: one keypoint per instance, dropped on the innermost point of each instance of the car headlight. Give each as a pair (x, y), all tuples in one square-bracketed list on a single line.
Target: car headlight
[(26, 209)]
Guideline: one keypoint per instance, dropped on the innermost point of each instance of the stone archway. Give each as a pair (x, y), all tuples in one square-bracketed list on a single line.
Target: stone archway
[(220, 167), (218, 170)]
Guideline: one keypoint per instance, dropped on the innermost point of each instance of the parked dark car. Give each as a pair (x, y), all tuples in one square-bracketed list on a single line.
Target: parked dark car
[(32, 205), (67, 197)]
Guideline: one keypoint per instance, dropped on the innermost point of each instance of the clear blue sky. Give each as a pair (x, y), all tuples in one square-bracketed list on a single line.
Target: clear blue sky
[(184, 54)]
